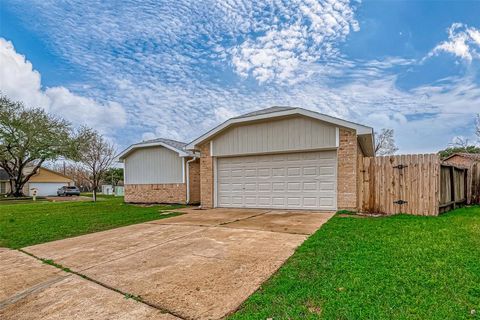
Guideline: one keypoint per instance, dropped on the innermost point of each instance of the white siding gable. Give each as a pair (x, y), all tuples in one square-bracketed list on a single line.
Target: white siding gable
[(289, 134), (153, 165)]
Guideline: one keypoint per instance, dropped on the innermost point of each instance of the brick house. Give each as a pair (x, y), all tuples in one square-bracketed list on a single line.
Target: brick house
[(161, 171), (279, 157)]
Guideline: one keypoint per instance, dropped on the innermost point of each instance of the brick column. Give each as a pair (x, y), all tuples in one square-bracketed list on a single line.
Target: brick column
[(206, 176), (347, 170)]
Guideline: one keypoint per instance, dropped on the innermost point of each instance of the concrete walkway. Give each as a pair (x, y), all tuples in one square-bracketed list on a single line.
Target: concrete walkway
[(201, 265)]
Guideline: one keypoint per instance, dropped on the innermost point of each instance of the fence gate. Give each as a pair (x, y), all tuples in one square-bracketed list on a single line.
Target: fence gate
[(400, 184)]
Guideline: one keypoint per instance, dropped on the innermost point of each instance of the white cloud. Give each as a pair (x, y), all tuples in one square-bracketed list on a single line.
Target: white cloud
[(310, 33), (19, 81), (463, 42), (174, 65)]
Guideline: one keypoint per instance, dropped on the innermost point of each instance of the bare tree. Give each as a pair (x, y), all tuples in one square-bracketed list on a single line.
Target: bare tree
[(78, 173), (95, 156), (460, 143), (385, 143)]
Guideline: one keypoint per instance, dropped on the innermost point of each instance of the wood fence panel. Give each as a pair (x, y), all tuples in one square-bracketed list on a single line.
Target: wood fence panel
[(475, 184), (401, 184)]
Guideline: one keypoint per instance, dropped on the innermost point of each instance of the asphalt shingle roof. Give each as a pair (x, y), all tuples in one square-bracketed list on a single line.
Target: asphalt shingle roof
[(264, 111), (471, 156), (173, 143)]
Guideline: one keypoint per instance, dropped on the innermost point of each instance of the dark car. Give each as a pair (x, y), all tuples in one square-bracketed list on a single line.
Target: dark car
[(68, 191)]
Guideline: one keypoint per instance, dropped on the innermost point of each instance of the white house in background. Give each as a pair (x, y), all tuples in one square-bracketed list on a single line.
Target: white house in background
[(45, 181)]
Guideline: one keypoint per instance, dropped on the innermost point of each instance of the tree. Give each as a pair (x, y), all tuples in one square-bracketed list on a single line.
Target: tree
[(79, 174), (385, 143), (95, 154), (28, 138), (452, 150), (113, 176)]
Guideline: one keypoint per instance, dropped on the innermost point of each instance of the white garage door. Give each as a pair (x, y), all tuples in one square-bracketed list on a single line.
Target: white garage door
[(46, 188), (285, 181)]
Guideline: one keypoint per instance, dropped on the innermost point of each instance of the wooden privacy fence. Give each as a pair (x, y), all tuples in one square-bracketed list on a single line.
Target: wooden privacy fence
[(474, 184), (415, 184)]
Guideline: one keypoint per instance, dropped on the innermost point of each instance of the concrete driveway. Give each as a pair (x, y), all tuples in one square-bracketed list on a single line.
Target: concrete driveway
[(201, 265)]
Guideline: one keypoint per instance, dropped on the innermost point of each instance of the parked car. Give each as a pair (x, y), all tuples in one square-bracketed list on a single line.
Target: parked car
[(68, 191)]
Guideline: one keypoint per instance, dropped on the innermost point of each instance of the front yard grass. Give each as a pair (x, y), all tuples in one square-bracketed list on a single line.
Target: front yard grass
[(25, 224), (399, 267)]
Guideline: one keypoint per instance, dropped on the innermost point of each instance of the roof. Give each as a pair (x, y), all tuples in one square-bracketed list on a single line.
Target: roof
[(4, 175), (177, 146), (365, 133), (471, 156), (264, 111), (43, 176)]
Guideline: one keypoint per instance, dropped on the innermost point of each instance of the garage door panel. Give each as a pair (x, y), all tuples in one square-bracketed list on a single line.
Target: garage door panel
[(46, 188), (293, 181)]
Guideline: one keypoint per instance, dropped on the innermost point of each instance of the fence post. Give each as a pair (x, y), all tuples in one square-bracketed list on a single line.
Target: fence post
[(452, 186)]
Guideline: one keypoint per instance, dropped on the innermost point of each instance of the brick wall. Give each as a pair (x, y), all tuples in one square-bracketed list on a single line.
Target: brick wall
[(194, 180), (206, 176), (347, 170), (156, 193)]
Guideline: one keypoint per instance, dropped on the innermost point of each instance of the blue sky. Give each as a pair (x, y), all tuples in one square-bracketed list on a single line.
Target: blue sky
[(142, 69)]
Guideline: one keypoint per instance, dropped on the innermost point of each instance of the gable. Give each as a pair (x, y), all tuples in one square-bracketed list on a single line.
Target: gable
[(296, 133), (45, 175), (153, 165)]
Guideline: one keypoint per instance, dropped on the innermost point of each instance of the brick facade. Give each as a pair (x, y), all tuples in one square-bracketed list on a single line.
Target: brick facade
[(347, 157), (194, 180), (156, 193), (206, 176)]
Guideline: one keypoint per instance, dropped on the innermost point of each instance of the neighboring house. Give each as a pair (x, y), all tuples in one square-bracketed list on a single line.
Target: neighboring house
[(463, 159), (280, 158), (46, 181), (161, 171)]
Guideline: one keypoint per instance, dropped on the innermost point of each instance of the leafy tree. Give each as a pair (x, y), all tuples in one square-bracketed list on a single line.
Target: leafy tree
[(95, 155), (385, 143), (451, 150), (28, 138), (113, 176)]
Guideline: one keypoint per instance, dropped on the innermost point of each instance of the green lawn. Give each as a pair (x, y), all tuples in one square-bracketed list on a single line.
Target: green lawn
[(24, 224), (400, 267)]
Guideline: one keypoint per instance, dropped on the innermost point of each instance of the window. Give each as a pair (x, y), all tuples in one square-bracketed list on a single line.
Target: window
[(3, 187)]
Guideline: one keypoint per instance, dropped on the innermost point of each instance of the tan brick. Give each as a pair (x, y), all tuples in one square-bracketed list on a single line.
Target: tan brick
[(156, 193), (206, 176), (347, 170), (194, 181)]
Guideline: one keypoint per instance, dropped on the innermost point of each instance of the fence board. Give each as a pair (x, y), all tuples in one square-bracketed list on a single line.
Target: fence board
[(475, 184), (416, 182)]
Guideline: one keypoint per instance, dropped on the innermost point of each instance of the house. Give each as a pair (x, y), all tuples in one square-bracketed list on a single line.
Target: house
[(279, 157), (4, 178), (161, 171), (466, 160), (45, 181), (282, 158)]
